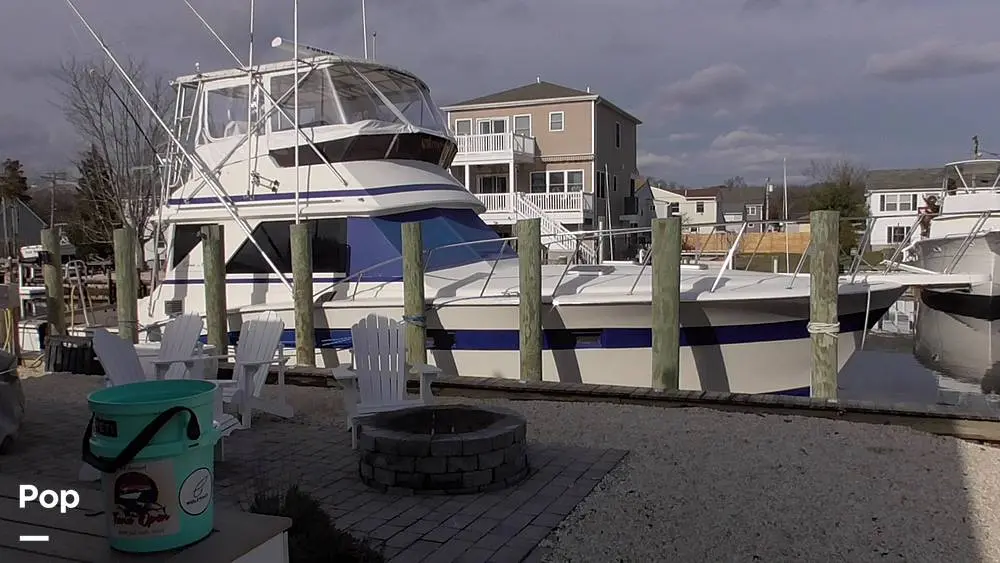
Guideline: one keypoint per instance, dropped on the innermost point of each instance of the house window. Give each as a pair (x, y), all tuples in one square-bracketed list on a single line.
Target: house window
[(631, 187), (522, 125), (896, 235), (574, 180), (601, 183), (556, 121), (618, 135), (754, 210), (699, 207), (492, 125), (557, 181), (898, 202), (673, 209), (463, 126), (614, 182), (329, 244), (492, 184), (538, 182)]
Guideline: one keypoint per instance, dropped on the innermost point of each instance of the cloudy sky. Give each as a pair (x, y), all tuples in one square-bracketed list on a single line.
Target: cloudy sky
[(724, 87)]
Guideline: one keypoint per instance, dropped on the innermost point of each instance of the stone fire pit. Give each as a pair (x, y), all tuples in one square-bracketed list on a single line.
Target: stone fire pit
[(452, 449)]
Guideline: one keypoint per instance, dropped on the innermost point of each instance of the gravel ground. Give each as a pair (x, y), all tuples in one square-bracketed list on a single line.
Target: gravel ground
[(706, 486)]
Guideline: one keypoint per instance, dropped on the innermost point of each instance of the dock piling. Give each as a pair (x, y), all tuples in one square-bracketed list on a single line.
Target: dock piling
[(666, 257), (126, 282), (52, 272), (414, 302), (302, 280), (824, 329), (213, 238), (529, 252)]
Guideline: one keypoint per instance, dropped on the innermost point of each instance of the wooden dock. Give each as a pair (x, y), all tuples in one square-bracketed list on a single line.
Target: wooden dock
[(979, 424)]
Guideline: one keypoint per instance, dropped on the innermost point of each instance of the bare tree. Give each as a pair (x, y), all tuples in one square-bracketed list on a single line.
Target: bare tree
[(840, 186), (118, 129), (735, 182)]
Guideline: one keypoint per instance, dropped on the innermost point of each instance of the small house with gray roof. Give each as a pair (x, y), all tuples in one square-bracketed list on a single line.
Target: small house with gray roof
[(547, 148), (894, 199)]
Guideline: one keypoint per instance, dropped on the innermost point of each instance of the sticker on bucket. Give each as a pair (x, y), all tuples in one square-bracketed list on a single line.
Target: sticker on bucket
[(196, 492), (142, 500)]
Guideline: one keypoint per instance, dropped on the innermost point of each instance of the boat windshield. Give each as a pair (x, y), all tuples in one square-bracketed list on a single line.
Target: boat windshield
[(375, 240), (346, 93)]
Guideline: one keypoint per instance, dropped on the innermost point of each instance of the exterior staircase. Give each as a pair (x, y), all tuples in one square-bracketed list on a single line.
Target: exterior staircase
[(561, 240)]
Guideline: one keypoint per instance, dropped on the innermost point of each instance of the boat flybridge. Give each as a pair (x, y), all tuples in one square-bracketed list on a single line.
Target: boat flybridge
[(367, 150)]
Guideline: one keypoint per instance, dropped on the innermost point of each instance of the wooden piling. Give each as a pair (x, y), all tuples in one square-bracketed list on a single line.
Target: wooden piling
[(824, 228), (302, 278), (213, 244), (52, 272), (666, 257), (529, 252), (414, 302), (126, 280)]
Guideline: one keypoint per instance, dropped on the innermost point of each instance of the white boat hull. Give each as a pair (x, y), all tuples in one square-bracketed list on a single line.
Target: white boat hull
[(954, 329)]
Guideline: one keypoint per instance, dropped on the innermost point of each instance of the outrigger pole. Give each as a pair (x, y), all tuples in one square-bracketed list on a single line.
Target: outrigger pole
[(295, 55), (194, 160)]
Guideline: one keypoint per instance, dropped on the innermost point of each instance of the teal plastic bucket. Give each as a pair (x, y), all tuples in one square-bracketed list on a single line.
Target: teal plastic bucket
[(154, 443)]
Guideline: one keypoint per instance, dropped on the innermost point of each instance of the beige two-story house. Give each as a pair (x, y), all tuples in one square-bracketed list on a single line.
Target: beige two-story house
[(546, 148)]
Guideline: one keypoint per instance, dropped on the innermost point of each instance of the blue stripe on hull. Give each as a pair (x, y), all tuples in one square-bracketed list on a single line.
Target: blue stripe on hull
[(597, 338)]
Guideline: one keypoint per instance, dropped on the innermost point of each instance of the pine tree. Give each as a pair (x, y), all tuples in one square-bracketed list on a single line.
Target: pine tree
[(13, 182)]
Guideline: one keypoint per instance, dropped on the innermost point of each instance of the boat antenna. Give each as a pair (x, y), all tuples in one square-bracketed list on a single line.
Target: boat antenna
[(975, 147), (364, 27), (374, 39)]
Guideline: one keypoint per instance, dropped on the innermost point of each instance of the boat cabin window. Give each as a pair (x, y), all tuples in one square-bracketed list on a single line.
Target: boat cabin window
[(226, 112), (317, 104), (186, 237), (339, 95), (329, 248)]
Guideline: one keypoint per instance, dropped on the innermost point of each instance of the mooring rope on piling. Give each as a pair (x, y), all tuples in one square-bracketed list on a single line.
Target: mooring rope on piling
[(823, 328), (415, 320)]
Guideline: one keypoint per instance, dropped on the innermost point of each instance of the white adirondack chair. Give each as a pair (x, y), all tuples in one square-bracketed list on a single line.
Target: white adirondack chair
[(377, 382), (177, 349), (258, 349), (175, 359)]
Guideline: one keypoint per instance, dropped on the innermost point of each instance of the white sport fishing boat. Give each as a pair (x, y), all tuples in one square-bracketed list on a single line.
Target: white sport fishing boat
[(960, 234), (373, 151)]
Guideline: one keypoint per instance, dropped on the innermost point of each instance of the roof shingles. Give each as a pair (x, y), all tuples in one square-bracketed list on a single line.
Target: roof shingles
[(535, 91)]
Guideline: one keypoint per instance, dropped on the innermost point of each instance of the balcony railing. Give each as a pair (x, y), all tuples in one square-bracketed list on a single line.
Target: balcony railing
[(492, 143), (564, 202)]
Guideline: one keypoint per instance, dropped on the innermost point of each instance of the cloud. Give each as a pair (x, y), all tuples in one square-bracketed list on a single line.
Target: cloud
[(715, 86), (726, 90), (748, 151), (935, 59), (761, 5), (647, 159), (741, 138), (682, 137), (744, 151)]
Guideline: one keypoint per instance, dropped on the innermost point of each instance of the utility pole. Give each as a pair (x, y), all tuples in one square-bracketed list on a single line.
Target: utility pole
[(54, 178)]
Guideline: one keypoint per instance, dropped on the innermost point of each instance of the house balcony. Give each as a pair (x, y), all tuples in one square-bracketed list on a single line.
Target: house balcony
[(630, 210), (568, 208), (494, 148)]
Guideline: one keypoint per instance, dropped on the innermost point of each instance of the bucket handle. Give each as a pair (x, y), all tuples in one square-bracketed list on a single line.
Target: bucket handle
[(112, 465)]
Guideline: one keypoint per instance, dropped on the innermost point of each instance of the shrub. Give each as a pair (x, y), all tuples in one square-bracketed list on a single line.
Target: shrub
[(313, 538)]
